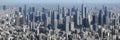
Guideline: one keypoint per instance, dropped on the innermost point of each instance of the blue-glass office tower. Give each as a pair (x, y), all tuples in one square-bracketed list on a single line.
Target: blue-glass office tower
[(20, 9), (100, 17)]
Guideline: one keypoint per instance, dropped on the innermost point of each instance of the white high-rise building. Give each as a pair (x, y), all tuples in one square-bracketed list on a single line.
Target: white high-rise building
[(89, 19), (55, 26), (67, 26), (60, 19), (72, 23), (48, 20), (78, 16)]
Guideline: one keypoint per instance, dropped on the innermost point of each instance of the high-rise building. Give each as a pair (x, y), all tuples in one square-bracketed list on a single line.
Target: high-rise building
[(67, 26), (85, 11), (64, 11), (73, 9), (24, 10), (59, 9), (4, 7), (72, 23), (60, 19), (94, 19), (55, 27), (82, 11), (18, 21), (78, 16), (20, 9), (89, 19), (107, 20), (48, 21), (106, 11), (86, 22), (119, 19), (100, 17)]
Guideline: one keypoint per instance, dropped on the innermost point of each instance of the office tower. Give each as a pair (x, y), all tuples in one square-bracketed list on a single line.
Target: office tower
[(69, 12), (64, 11), (100, 17), (85, 11), (94, 19), (53, 18), (60, 19), (89, 19), (80, 19), (27, 19), (72, 23), (59, 9), (86, 22), (38, 28), (24, 28), (55, 14), (78, 16), (107, 20), (43, 9), (48, 20), (73, 9), (55, 27), (49, 17), (33, 19), (119, 19), (104, 19), (37, 16), (17, 21), (61, 22), (109, 14), (106, 11), (16, 13), (23, 20), (31, 26), (49, 13), (100, 31), (4, 7), (67, 26), (33, 9), (30, 15), (40, 16), (24, 10), (20, 9), (82, 11), (44, 18)]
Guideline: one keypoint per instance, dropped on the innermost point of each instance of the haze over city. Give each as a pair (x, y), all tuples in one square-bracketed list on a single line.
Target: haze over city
[(58, 1)]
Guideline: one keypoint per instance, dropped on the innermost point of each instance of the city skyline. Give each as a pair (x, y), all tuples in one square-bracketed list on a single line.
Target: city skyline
[(59, 20)]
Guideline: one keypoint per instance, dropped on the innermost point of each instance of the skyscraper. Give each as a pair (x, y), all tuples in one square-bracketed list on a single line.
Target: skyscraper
[(24, 10), (4, 7), (100, 17), (20, 9), (78, 16), (85, 11), (67, 26), (82, 10), (72, 23), (18, 21)]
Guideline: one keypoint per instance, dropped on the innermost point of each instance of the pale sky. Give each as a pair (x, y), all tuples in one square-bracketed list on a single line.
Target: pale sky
[(57, 1)]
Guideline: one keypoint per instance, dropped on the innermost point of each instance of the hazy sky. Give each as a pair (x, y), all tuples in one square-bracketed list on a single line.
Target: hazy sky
[(56, 1)]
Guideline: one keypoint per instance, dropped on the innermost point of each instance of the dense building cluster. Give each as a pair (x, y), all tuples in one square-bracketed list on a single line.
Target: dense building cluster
[(84, 23)]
